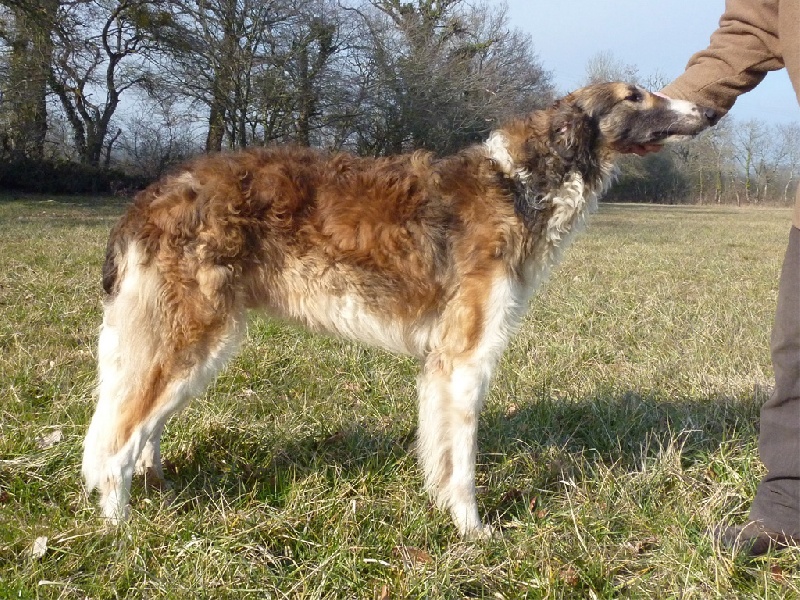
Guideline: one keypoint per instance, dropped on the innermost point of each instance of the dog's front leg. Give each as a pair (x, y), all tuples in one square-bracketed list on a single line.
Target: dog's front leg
[(451, 394)]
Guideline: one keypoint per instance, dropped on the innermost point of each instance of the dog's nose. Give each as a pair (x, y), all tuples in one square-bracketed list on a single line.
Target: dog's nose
[(710, 114)]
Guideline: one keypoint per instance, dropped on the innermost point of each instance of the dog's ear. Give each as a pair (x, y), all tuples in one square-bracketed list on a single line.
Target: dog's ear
[(570, 131), (594, 100)]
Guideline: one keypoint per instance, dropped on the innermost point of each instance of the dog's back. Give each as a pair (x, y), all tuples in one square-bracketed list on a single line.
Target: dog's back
[(309, 236)]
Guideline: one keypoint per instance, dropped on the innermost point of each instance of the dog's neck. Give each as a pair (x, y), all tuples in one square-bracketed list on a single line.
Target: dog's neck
[(530, 201), (539, 197)]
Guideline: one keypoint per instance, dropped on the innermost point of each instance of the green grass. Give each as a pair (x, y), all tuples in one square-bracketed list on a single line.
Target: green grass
[(620, 429)]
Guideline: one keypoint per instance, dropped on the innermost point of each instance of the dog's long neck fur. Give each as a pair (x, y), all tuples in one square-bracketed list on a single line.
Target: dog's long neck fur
[(557, 169)]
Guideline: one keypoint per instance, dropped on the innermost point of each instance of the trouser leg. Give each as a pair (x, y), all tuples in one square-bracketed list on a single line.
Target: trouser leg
[(777, 501)]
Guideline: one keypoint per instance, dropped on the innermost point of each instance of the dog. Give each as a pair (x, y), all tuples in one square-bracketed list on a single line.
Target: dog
[(432, 257)]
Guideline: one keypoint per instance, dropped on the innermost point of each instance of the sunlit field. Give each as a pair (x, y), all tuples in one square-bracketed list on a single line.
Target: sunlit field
[(620, 429)]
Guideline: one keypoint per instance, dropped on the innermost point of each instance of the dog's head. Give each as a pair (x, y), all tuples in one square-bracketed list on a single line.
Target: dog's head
[(626, 115), (583, 133)]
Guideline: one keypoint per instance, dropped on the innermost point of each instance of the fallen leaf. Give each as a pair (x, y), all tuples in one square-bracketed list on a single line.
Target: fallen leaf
[(511, 496), (50, 439), (412, 557), (334, 438), (777, 573), (569, 576), (39, 547), (643, 546), (385, 595)]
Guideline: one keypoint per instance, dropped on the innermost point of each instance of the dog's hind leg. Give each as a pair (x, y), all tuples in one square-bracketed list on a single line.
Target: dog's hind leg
[(149, 464), (126, 429), (151, 361)]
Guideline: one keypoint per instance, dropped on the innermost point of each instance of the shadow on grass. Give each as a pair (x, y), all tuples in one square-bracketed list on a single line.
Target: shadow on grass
[(621, 427), (620, 430), (228, 462)]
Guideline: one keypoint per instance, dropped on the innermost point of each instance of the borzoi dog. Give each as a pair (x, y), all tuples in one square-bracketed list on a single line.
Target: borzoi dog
[(432, 257)]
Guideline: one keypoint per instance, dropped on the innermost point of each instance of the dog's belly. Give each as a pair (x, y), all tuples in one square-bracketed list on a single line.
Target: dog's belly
[(351, 316), (350, 302)]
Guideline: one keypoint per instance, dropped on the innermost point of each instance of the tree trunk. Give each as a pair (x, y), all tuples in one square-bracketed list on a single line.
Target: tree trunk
[(216, 127), (29, 66)]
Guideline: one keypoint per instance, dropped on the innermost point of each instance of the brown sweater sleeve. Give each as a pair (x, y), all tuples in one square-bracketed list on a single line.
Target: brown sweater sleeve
[(741, 52)]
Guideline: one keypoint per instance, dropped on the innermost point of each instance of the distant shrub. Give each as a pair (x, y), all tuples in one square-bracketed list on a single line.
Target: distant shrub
[(62, 177), (655, 178)]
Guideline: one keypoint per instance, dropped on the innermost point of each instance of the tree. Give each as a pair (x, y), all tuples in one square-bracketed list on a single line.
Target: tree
[(156, 136), (438, 74), (226, 47), (604, 66), (707, 162), (788, 139), (101, 51), (28, 36), (750, 143), (303, 97)]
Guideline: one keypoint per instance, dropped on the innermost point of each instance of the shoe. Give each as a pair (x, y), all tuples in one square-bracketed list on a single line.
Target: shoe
[(753, 539)]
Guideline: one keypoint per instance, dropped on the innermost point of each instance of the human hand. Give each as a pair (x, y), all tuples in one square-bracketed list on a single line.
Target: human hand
[(644, 149)]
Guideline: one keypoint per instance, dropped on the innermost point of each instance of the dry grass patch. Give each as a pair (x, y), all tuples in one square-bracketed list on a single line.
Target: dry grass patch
[(621, 427)]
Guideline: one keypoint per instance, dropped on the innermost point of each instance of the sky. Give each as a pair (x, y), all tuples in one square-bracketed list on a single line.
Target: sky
[(656, 36)]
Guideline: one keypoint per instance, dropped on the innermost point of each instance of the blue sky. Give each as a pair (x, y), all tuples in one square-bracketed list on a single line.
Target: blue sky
[(657, 36)]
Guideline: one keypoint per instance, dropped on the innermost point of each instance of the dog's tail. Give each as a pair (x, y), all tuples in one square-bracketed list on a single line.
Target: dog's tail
[(115, 254)]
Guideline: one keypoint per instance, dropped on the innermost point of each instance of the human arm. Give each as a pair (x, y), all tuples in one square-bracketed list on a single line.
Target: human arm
[(740, 53), (743, 49)]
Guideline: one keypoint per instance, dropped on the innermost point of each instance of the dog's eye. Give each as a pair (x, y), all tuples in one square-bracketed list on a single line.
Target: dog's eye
[(634, 96)]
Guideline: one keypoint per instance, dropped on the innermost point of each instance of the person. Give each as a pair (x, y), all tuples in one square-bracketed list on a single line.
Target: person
[(754, 37)]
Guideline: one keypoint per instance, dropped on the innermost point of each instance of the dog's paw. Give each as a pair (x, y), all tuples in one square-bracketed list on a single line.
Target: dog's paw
[(154, 480), (482, 533), (116, 516)]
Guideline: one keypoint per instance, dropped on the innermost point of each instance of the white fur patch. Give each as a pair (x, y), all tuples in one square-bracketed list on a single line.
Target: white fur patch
[(352, 317), (505, 308), (496, 148), (307, 299), (187, 179), (683, 107), (571, 203)]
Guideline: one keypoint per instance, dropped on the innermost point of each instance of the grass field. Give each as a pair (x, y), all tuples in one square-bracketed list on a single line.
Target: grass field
[(620, 429)]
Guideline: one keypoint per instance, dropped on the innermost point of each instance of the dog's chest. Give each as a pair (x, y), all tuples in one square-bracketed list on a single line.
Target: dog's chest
[(553, 227)]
